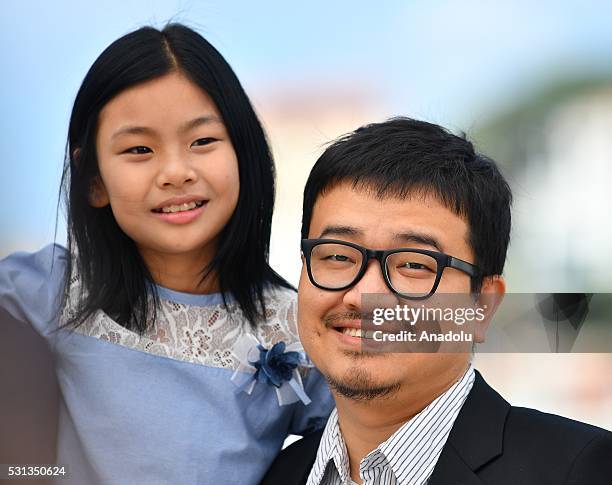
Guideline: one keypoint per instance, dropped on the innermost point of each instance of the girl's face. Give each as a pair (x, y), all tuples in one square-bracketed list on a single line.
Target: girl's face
[(167, 167)]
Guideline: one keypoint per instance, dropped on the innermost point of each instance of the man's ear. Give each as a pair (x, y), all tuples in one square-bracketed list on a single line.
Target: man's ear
[(490, 297), (98, 195)]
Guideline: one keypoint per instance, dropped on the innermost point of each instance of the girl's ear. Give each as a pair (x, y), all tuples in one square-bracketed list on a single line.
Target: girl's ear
[(98, 195), (76, 156)]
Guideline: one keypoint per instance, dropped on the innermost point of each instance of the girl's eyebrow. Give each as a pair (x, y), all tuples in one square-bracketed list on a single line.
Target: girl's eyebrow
[(200, 120), (145, 130), (132, 130)]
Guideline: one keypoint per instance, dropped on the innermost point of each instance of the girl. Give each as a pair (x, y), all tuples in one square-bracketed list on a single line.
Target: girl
[(163, 313)]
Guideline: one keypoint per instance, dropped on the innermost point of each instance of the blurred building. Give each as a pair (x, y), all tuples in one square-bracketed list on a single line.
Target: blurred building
[(300, 123), (556, 148)]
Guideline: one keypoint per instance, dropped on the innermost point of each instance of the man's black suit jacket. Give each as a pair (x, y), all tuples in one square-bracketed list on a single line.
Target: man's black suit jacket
[(492, 443)]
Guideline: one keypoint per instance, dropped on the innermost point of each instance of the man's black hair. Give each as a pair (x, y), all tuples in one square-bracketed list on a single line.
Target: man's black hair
[(402, 157)]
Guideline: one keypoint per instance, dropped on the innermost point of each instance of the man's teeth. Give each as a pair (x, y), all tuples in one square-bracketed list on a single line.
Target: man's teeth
[(182, 207), (357, 332)]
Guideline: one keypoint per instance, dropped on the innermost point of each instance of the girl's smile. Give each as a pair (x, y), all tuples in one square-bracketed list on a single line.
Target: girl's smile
[(181, 203), (181, 210)]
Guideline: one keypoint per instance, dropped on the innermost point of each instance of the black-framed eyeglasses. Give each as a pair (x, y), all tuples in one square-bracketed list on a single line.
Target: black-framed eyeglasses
[(411, 273)]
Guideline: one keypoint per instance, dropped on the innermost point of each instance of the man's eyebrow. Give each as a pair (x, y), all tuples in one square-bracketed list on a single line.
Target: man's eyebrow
[(340, 231), (145, 130), (418, 238)]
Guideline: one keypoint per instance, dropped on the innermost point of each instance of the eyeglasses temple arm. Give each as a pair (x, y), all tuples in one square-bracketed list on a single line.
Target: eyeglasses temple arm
[(461, 265)]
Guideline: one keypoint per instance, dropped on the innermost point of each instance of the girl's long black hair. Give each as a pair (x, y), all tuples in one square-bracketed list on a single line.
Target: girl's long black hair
[(113, 275)]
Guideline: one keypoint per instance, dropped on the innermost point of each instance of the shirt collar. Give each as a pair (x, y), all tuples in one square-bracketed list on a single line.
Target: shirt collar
[(332, 452), (411, 452)]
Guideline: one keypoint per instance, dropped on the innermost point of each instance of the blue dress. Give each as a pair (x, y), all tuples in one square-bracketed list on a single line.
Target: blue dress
[(161, 408)]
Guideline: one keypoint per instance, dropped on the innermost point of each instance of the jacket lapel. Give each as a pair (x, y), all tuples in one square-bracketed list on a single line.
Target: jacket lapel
[(452, 470), (476, 437)]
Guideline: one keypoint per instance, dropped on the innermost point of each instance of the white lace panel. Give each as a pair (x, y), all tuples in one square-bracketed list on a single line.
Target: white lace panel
[(201, 335)]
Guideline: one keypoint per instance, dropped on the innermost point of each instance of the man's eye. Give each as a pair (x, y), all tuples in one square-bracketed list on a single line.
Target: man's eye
[(337, 257), (139, 150), (203, 141), (413, 265)]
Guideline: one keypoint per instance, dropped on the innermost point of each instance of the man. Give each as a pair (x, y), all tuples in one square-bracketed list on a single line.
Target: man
[(415, 418)]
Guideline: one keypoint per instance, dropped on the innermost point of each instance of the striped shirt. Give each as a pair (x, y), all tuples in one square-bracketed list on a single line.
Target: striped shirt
[(408, 457)]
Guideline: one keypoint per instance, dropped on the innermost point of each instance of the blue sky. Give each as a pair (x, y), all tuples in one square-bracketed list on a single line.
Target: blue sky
[(455, 63)]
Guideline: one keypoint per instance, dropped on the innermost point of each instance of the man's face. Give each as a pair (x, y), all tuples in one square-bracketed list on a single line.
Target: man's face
[(360, 217)]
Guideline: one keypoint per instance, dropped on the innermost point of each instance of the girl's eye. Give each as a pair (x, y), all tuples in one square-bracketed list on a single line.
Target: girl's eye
[(139, 150), (203, 141)]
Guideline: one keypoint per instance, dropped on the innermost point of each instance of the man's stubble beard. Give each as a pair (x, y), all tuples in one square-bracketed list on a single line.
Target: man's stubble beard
[(358, 385)]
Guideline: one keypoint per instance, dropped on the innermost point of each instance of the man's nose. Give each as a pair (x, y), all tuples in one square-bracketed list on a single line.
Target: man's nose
[(372, 282)]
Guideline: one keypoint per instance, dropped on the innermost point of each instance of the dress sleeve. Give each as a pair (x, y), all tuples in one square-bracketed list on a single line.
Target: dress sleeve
[(31, 286), (313, 417)]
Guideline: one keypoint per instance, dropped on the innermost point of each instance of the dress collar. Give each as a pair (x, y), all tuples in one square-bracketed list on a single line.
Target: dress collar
[(191, 299)]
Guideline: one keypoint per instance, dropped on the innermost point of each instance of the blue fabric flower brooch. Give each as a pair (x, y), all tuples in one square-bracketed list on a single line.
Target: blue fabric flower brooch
[(276, 367)]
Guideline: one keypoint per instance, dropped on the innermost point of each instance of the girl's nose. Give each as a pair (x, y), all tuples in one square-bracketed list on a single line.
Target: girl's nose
[(176, 172)]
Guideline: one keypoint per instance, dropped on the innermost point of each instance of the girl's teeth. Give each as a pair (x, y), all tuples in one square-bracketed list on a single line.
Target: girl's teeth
[(180, 208)]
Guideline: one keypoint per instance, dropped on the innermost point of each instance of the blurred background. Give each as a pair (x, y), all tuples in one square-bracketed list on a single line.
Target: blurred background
[(529, 82)]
